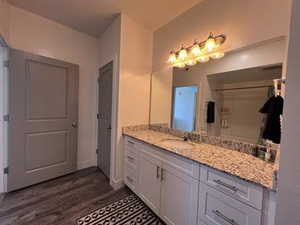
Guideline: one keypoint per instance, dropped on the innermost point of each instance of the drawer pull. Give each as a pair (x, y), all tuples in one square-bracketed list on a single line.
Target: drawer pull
[(157, 172), (225, 218), (230, 187), (129, 179), (131, 159), (130, 142)]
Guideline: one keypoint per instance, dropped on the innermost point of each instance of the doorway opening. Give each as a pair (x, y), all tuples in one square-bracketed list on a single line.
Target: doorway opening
[(105, 88), (184, 107)]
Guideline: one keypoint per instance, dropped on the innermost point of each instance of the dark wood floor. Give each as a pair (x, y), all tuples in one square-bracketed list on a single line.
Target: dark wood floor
[(60, 201)]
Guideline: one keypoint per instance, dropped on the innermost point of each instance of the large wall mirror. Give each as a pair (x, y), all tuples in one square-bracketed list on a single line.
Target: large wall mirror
[(220, 98)]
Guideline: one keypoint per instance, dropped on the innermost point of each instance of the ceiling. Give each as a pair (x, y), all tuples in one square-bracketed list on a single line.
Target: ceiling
[(94, 16)]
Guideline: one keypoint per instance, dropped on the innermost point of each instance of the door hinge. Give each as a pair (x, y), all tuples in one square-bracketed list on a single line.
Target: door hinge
[(98, 116), (97, 151), (6, 170), (6, 118), (6, 63)]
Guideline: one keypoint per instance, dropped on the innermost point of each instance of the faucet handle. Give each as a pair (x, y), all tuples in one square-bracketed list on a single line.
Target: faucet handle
[(185, 138)]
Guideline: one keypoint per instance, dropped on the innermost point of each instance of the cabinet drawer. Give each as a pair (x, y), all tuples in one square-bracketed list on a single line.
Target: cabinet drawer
[(238, 189), (131, 143), (130, 177), (216, 208), (185, 165), (131, 157)]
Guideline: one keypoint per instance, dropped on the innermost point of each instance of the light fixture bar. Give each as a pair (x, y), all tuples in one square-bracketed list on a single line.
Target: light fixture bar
[(198, 52)]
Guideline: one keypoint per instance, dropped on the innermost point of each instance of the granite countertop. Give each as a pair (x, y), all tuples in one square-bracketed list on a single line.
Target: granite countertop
[(239, 164)]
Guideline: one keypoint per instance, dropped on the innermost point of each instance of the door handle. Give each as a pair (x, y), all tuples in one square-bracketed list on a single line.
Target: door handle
[(109, 127), (74, 125)]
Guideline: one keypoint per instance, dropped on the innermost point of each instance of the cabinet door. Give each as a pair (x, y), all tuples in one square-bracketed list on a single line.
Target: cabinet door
[(149, 180), (179, 197)]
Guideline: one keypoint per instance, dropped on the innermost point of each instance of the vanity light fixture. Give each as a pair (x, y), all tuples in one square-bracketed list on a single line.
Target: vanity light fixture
[(203, 58), (217, 55), (199, 52)]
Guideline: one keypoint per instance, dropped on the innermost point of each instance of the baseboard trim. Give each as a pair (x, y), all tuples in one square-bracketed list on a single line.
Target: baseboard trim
[(84, 164), (117, 184)]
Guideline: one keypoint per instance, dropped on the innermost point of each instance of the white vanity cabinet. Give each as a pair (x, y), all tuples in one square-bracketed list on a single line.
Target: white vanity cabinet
[(167, 184), (183, 192)]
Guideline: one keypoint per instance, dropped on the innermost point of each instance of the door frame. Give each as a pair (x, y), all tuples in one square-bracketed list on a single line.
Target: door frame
[(3, 124), (115, 132), (111, 65)]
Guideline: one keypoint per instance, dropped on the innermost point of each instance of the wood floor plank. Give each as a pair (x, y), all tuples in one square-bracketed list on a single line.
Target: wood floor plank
[(60, 201)]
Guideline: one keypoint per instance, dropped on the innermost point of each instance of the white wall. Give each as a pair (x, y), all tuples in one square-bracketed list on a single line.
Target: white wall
[(37, 35), (134, 81), (244, 23), (243, 104), (289, 182), (130, 44), (161, 97), (135, 69), (4, 19)]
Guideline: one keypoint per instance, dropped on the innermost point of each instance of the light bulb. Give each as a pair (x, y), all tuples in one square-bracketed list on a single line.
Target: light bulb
[(172, 58), (210, 44), (182, 54), (191, 62), (203, 59), (196, 50), (179, 64), (217, 55)]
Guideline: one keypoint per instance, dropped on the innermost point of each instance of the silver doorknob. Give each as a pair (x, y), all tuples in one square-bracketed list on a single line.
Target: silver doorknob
[(74, 125)]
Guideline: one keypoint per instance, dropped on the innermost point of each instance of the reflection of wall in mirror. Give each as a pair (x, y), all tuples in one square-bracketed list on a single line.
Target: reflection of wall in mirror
[(161, 97), (243, 120)]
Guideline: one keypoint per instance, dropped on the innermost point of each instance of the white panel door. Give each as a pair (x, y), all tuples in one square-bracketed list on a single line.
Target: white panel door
[(179, 197), (43, 106), (149, 180)]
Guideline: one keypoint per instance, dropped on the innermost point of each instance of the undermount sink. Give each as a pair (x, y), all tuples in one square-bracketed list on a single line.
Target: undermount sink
[(177, 143)]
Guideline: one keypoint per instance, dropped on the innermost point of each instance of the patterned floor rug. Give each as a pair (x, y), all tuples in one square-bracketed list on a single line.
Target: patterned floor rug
[(128, 211)]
